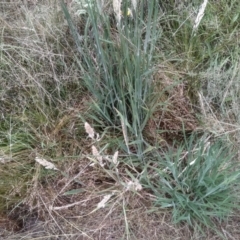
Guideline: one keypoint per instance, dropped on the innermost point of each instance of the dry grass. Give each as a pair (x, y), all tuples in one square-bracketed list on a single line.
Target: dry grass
[(43, 106), (126, 216)]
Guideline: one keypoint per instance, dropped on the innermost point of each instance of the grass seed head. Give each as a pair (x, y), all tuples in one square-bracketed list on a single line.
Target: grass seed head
[(104, 201), (134, 185), (89, 130), (45, 163), (134, 4), (117, 9), (97, 155), (200, 15), (115, 158)]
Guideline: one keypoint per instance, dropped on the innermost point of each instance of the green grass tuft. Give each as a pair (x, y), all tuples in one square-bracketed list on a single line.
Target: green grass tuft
[(197, 181), (116, 61)]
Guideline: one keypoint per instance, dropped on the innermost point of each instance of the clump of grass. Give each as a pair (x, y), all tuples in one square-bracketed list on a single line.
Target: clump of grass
[(116, 62), (197, 181)]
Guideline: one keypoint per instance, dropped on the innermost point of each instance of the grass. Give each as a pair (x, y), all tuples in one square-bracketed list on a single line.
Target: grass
[(159, 158), (196, 181), (116, 66)]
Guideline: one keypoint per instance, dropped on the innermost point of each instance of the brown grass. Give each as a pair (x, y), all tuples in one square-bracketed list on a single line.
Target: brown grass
[(126, 216)]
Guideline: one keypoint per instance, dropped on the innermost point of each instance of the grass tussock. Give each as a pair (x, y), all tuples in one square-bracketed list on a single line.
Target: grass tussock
[(119, 119)]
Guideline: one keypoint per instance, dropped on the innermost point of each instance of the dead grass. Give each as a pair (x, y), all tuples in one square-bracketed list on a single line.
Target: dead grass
[(126, 216), (40, 89), (176, 111)]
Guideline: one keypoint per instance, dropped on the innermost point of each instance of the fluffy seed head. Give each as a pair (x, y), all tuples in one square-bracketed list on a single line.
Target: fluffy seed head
[(45, 163), (89, 130), (115, 158), (97, 155), (104, 201), (134, 4), (117, 9)]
